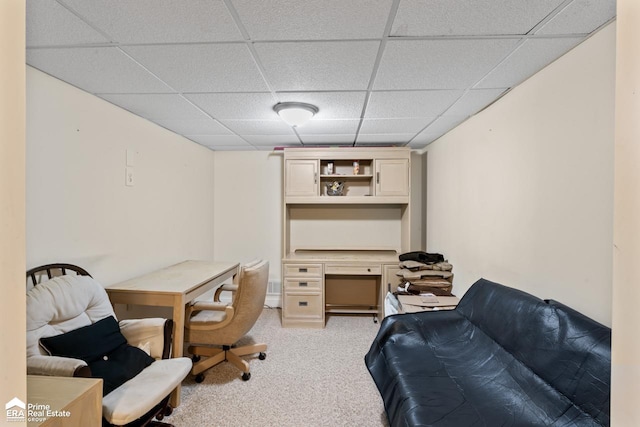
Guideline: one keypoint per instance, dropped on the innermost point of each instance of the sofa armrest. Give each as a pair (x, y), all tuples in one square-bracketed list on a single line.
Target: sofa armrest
[(152, 335), (57, 366)]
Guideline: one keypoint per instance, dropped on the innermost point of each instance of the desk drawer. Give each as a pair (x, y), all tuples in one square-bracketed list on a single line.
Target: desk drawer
[(303, 305), (360, 270), (303, 284), (302, 270)]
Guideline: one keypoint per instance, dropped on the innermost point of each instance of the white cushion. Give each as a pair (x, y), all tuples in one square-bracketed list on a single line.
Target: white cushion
[(137, 396), (61, 305)]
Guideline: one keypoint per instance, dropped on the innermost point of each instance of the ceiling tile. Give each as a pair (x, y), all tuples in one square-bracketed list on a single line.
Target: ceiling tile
[(312, 20), (219, 140), (391, 138), (331, 105), (529, 58), (439, 127), (464, 17), (439, 64), (311, 66), (156, 106), (329, 127), (226, 67), (273, 146), (160, 21), (232, 148), (473, 101), (423, 103), (50, 24), (96, 69), (580, 17), (258, 127), (272, 140), (236, 105), (193, 126), (319, 139), (415, 125)]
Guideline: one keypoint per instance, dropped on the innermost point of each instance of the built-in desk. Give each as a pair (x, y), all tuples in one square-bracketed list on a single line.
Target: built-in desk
[(319, 282)]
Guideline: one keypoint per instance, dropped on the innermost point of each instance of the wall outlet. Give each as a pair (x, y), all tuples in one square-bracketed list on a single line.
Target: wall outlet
[(129, 179)]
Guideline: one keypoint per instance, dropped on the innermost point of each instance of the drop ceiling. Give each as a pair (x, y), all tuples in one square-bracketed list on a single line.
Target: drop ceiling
[(381, 72)]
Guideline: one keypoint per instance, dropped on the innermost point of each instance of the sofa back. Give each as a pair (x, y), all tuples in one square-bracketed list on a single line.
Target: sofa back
[(569, 351)]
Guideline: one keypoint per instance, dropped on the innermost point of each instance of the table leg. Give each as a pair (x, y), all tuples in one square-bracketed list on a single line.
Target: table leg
[(178, 342)]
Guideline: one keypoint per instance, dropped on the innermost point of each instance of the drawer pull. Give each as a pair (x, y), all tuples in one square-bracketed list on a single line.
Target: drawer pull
[(304, 284), (303, 303), (302, 270), (368, 269)]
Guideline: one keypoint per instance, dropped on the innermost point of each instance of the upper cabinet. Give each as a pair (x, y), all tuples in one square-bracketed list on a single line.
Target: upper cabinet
[(392, 177), (347, 176), (301, 178)]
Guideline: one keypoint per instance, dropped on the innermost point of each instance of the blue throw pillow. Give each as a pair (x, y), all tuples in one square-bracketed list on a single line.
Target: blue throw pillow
[(105, 350)]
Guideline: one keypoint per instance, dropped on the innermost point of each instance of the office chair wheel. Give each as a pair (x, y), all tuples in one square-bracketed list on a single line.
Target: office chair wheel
[(168, 411), (262, 356), (195, 358), (246, 376), (199, 378)]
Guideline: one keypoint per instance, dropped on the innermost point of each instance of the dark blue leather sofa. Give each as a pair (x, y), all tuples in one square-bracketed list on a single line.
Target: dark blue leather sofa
[(501, 358)]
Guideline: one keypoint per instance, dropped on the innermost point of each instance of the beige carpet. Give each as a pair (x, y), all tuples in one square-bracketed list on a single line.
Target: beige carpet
[(309, 378)]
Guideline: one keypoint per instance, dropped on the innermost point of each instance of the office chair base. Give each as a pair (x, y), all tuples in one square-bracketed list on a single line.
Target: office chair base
[(226, 353)]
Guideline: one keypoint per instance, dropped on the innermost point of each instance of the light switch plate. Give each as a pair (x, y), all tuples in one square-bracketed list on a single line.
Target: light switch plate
[(131, 157)]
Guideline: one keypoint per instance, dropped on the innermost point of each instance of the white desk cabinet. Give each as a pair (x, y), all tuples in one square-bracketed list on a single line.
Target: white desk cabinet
[(338, 248)]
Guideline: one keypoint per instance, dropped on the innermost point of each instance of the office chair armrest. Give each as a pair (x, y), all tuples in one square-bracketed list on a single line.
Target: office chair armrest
[(57, 366), (152, 335), (211, 306), (226, 287)]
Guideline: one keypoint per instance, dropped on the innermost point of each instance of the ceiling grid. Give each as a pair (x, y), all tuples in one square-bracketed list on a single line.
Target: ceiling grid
[(381, 72)]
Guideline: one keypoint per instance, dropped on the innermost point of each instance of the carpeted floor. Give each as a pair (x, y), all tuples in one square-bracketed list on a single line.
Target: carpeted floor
[(309, 378)]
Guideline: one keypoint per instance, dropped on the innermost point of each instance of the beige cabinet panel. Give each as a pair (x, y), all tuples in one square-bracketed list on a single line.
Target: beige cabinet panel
[(301, 178), (392, 177)]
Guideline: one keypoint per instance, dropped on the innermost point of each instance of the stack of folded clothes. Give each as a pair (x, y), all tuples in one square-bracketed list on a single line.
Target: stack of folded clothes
[(426, 277)]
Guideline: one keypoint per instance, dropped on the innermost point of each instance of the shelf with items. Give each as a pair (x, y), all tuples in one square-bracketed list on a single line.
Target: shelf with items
[(347, 167)]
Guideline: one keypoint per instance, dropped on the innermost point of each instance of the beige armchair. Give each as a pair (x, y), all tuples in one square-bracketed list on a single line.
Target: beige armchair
[(213, 328), (66, 305)]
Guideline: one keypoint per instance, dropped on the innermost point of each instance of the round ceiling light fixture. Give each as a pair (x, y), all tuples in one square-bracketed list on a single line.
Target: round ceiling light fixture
[(295, 113)]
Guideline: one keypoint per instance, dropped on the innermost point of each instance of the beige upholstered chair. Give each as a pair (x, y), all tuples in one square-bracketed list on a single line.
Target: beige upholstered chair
[(213, 328), (66, 300)]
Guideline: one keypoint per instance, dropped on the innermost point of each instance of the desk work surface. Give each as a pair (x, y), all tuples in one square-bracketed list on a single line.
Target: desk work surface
[(179, 278), (343, 255)]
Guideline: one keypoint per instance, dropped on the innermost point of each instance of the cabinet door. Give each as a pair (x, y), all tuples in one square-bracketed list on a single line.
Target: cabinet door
[(301, 178), (392, 177)]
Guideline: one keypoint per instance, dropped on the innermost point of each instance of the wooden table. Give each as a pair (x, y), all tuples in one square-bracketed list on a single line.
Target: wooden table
[(72, 402), (173, 286)]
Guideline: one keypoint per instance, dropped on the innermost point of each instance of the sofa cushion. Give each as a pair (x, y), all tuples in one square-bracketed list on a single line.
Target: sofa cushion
[(569, 351), (105, 350)]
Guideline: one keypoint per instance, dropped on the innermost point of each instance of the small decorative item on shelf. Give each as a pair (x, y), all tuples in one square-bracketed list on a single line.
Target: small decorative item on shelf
[(335, 188), (356, 167), (330, 168)]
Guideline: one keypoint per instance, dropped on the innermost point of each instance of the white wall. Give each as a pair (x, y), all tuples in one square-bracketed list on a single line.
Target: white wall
[(626, 252), (248, 208), (78, 207), (12, 212), (522, 193)]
